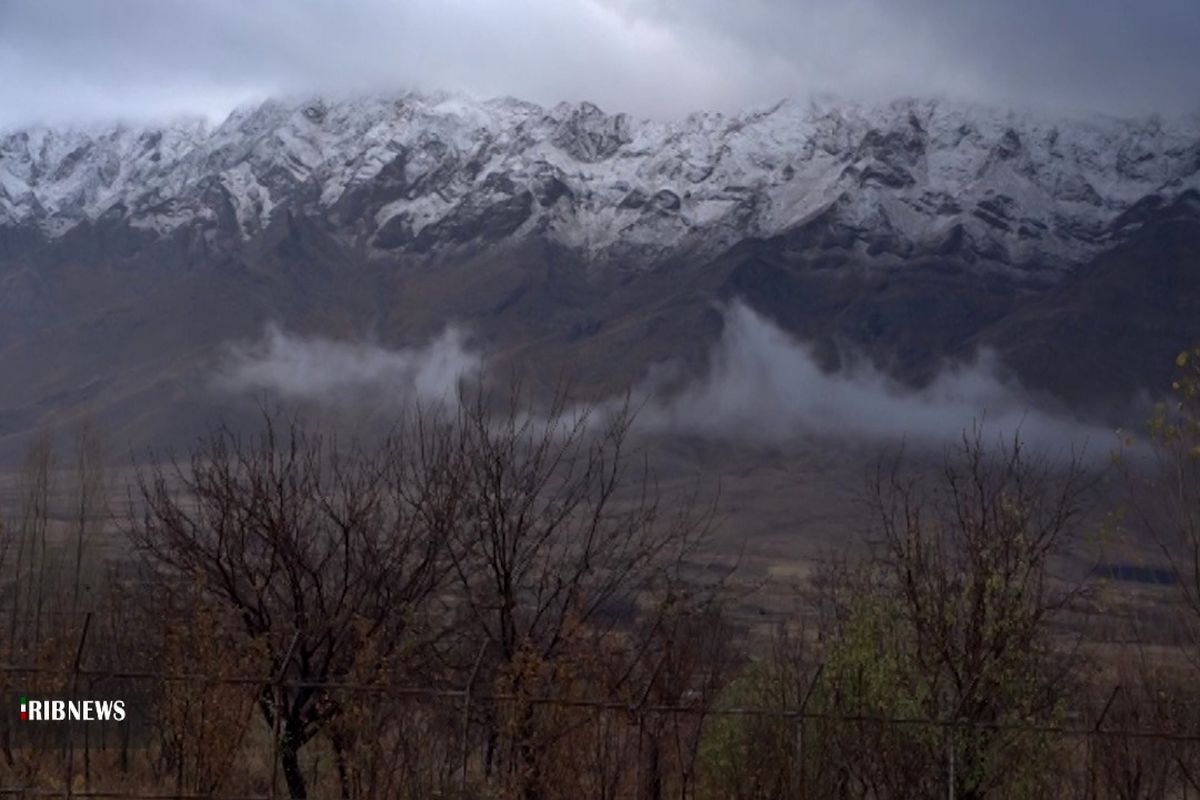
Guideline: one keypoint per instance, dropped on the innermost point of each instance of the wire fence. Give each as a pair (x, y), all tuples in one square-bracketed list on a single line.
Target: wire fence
[(442, 693), (1078, 732), (1084, 735)]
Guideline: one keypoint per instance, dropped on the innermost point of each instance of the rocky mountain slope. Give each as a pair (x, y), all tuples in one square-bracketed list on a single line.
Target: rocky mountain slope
[(914, 231), (423, 174)]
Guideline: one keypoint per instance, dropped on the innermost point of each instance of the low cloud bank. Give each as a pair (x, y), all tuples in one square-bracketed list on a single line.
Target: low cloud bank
[(761, 386), (339, 373), (764, 386)]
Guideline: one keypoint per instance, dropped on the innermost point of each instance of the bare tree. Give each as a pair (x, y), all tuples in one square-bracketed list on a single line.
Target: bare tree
[(90, 501), (323, 552), (1124, 762), (957, 624), (33, 567), (691, 653), (557, 539), (1165, 493)]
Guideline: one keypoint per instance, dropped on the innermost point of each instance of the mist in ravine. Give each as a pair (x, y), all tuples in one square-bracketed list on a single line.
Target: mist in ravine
[(760, 386)]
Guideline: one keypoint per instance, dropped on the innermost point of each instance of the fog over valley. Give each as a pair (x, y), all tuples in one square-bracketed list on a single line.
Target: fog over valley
[(759, 386)]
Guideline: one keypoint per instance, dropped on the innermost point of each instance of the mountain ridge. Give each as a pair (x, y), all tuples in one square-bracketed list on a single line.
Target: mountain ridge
[(569, 240), (418, 173)]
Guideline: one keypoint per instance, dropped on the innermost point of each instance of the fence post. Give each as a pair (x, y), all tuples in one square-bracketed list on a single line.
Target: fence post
[(641, 717), (637, 767), (800, 754), (466, 750), (87, 623), (1091, 738), (950, 743), (800, 719)]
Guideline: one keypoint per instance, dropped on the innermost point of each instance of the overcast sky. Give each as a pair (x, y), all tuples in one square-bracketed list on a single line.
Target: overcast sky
[(62, 60)]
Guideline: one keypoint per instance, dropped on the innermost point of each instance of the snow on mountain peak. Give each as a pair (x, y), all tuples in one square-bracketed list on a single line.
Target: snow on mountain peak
[(415, 173)]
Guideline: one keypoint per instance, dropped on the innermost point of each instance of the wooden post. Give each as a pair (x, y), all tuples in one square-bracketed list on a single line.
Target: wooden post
[(950, 783), (466, 751), (800, 718), (87, 622)]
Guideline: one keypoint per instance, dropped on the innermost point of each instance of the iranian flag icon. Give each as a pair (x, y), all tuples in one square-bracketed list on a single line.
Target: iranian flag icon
[(24, 709)]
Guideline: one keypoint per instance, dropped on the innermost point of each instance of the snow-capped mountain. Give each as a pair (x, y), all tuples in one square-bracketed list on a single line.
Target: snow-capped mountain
[(571, 241), (428, 173)]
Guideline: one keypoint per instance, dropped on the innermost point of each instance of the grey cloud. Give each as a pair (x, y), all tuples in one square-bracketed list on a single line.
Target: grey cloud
[(761, 387), (64, 59), (765, 387), (346, 373), (1118, 56)]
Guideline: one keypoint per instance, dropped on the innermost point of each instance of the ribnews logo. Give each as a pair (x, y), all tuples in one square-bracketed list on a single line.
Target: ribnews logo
[(109, 714), (58, 710)]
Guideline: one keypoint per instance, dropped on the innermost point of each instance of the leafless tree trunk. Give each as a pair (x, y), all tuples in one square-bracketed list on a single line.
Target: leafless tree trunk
[(91, 502), (36, 487), (557, 538), (324, 553)]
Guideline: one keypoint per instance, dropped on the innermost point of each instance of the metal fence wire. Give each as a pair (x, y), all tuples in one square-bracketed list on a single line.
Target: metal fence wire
[(472, 755)]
